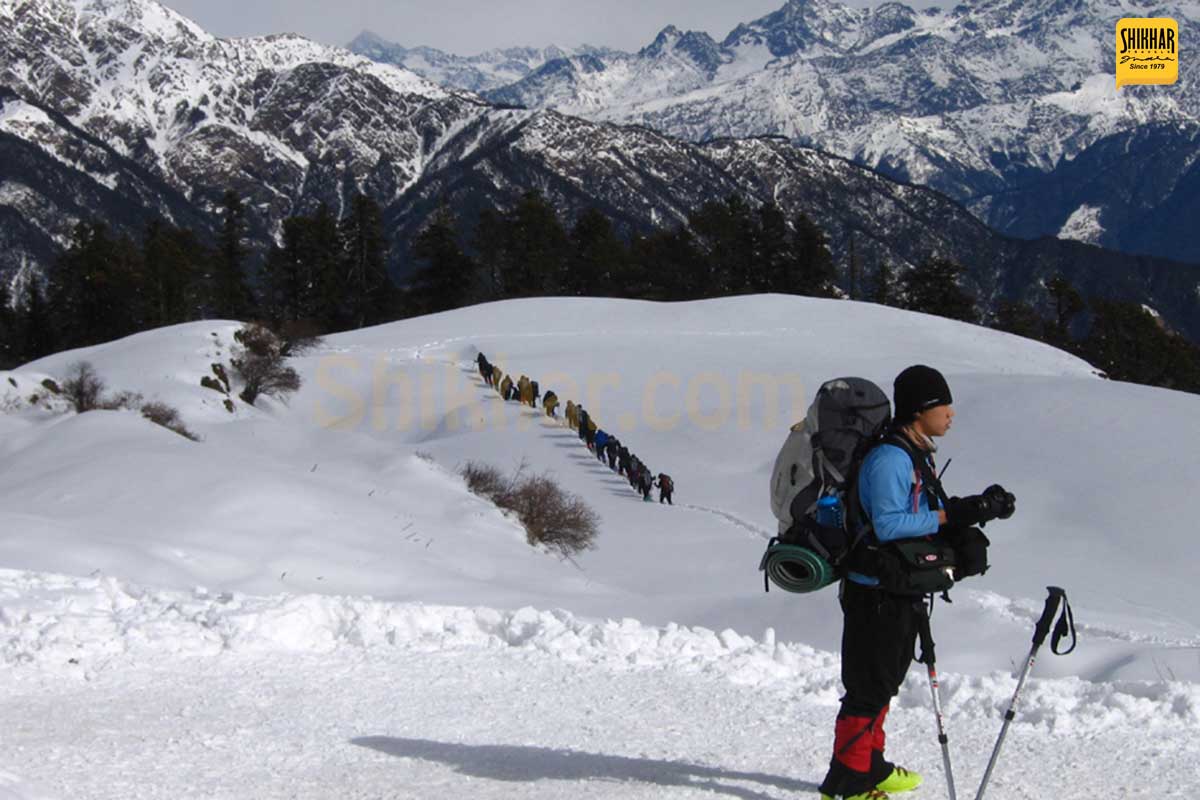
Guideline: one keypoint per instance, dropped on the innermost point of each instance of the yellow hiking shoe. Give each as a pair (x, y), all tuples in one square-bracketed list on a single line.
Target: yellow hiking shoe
[(901, 780)]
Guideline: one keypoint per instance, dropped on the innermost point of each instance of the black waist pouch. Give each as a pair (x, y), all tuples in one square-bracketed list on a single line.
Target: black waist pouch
[(970, 551), (916, 567)]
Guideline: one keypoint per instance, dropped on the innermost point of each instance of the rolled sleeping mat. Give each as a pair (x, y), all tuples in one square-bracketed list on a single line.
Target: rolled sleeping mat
[(796, 569)]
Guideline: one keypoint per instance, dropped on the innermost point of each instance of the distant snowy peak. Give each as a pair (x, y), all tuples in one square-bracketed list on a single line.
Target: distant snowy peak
[(989, 102), (479, 73), (695, 46), (155, 86), (124, 110), (111, 42)]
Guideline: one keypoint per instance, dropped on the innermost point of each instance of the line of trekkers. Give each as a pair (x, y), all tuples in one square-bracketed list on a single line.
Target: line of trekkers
[(607, 448)]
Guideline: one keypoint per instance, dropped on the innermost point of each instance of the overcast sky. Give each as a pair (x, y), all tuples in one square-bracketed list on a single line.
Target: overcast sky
[(466, 27)]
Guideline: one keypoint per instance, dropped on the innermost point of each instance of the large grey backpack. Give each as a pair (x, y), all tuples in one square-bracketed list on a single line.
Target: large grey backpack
[(822, 452)]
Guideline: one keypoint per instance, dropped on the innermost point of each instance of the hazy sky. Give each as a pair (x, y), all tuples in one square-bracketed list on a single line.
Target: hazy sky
[(466, 27)]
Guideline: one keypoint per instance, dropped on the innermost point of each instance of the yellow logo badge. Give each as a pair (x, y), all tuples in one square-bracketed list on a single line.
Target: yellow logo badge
[(1147, 51)]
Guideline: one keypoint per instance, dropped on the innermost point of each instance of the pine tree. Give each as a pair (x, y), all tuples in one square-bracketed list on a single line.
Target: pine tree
[(1066, 304), (726, 235), (775, 257), (490, 242), (814, 274), (283, 274), (538, 251), (934, 287), (325, 282), (230, 293), (301, 280), (173, 260), (663, 266), (97, 290), (8, 332), (598, 257), (884, 291), (853, 270), (1125, 341), (36, 335), (369, 296), (445, 280), (1019, 318)]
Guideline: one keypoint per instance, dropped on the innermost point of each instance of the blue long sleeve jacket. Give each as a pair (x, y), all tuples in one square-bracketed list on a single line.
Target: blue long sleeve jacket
[(892, 499)]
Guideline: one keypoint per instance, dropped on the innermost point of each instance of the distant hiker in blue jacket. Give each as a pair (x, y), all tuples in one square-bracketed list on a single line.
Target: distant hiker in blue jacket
[(600, 440), (900, 498)]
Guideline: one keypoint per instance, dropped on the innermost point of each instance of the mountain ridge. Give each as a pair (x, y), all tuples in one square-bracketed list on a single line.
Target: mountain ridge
[(987, 102), (289, 125)]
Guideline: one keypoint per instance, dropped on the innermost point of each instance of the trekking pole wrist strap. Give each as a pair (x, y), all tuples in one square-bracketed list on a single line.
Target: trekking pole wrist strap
[(1056, 604)]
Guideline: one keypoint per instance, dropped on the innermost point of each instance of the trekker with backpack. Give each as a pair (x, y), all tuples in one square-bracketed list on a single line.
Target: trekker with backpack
[(645, 482), (581, 416), (600, 441), (666, 487), (905, 519)]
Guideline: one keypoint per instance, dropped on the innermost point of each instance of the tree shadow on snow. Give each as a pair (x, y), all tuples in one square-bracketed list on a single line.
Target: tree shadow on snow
[(522, 764)]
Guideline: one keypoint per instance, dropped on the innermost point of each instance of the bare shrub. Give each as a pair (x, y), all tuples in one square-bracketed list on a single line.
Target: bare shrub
[(298, 337), (121, 401), (168, 417), (551, 516), (484, 480), (83, 387), (259, 359)]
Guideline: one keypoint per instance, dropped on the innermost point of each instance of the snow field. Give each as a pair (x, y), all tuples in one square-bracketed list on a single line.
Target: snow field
[(115, 691), (309, 603)]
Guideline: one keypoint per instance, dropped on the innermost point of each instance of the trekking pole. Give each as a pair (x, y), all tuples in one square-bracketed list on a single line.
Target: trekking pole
[(929, 660), (1065, 625)]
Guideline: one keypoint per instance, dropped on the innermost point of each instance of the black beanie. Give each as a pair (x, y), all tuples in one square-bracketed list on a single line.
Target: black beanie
[(916, 389)]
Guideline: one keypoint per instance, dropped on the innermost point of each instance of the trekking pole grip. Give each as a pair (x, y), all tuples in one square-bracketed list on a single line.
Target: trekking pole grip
[(1043, 625)]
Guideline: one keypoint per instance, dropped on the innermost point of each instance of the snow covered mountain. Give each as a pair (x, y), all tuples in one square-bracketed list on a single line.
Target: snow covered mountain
[(123, 109), (493, 69), (274, 118), (310, 604), (1008, 107)]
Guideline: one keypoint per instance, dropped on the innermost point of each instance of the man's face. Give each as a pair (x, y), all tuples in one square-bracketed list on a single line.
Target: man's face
[(935, 421)]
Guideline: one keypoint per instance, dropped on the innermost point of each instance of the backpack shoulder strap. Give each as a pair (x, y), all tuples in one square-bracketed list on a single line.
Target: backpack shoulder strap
[(857, 524), (930, 484)]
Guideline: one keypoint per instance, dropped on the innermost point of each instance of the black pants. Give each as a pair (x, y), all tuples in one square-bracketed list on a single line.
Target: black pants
[(879, 634), (878, 638)]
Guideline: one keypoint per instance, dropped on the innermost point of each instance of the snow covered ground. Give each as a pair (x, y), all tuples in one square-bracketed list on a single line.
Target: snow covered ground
[(308, 603)]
